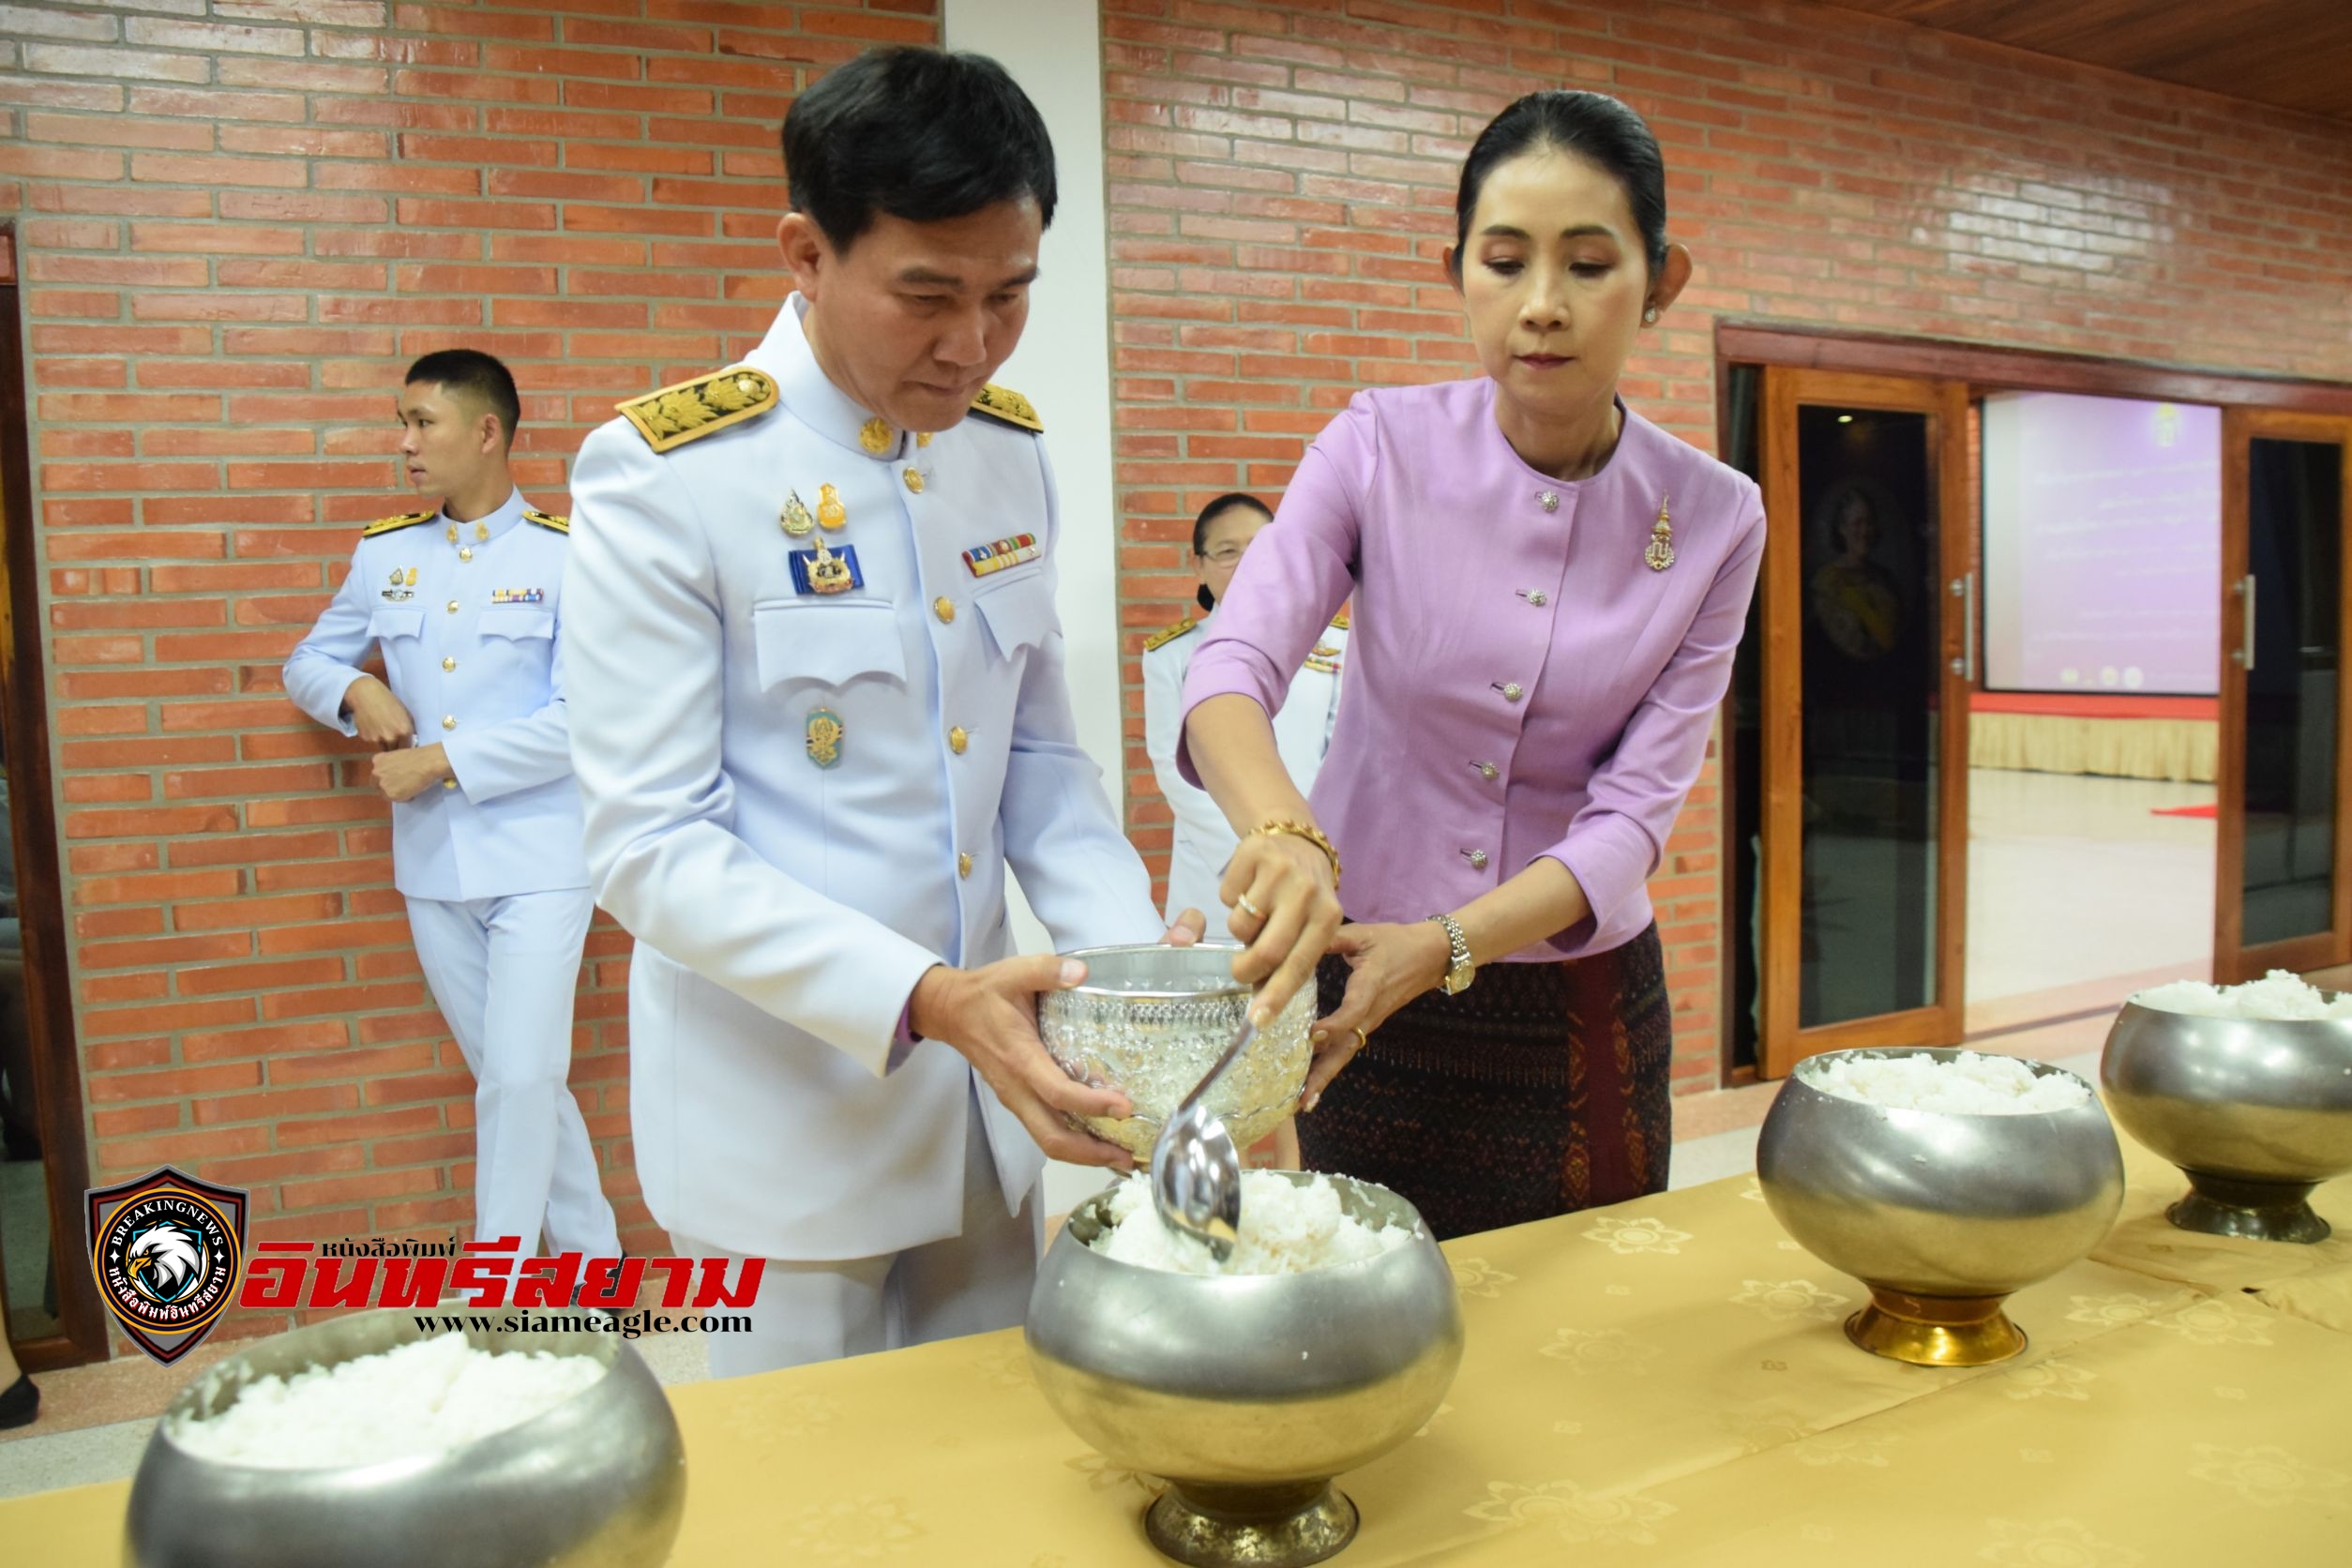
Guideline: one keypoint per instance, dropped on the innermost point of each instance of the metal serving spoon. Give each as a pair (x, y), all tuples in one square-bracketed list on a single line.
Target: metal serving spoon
[(1196, 1171)]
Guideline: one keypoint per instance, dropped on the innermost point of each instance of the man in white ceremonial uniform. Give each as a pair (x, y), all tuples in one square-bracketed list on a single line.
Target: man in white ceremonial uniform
[(464, 604), (819, 704)]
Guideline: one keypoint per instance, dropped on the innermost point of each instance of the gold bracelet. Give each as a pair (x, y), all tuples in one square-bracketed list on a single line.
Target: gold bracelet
[(1312, 833)]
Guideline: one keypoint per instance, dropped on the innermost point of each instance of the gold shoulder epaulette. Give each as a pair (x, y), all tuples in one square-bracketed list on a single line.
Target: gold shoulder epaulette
[(693, 409), (1340, 620), (547, 520), (1161, 638), (387, 525), (1008, 407)]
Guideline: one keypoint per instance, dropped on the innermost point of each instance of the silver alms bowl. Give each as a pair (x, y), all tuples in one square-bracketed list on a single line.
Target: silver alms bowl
[(1248, 1393), (1941, 1214), (597, 1481), (1150, 1019), (2255, 1112)]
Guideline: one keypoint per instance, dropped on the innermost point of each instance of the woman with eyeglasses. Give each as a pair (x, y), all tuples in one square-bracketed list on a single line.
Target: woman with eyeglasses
[(1203, 841), (1551, 588)]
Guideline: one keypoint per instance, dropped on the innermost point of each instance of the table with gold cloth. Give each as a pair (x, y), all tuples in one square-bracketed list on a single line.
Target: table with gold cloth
[(1660, 1382)]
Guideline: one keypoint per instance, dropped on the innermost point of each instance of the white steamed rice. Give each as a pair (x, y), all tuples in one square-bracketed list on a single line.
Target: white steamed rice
[(2280, 996), (1286, 1228), (1967, 1085), (421, 1398)]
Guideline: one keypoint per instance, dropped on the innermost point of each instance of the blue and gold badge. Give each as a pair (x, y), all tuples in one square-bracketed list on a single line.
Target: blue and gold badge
[(826, 570)]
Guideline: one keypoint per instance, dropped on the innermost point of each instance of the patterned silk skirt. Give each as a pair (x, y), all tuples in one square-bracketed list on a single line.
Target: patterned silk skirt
[(1539, 1090)]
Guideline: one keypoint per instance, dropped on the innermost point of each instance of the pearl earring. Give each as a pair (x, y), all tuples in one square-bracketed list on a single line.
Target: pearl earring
[(1650, 317)]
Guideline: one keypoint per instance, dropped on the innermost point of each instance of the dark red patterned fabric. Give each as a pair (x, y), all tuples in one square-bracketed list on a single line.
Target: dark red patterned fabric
[(1541, 1090)]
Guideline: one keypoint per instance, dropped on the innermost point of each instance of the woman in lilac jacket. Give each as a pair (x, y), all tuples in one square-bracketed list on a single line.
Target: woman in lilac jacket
[(1548, 590)]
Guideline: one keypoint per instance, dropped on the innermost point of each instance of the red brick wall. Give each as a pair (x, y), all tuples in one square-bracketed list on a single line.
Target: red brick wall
[(1281, 180), (237, 225)]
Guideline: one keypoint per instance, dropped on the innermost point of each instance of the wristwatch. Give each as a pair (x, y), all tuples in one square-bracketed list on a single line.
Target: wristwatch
[(1459, 971)]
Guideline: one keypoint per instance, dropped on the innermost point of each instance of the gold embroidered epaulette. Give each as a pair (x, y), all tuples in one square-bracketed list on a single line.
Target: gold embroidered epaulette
[(547, 520), (388, 525), (1161, 638), (1340, 620), (1008, 407), (693, 409)]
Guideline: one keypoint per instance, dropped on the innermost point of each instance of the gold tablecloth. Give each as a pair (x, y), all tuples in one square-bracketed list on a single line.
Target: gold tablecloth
[(1660, 1382), (2174, 749)]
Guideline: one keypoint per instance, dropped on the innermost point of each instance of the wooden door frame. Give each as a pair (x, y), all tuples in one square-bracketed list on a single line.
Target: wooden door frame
[(40, 901), (2232, 961), (1783, 1041), (1983, 368)]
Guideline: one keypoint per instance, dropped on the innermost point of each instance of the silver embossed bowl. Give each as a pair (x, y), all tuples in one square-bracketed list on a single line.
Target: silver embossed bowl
[(1943, 1216), (1248, 1393), (597, 1481), (1150, 1019), (2255, 1112)]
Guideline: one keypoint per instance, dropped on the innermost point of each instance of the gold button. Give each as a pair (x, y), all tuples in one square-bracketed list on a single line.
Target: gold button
[(449, 721), (448, 783), (915, 480), (449, 664), (466, 552), (944, 607), (922, 438), (957, 740), (453, 607), (877, 436), (1486, 769), (1510, 691), (963, 865)]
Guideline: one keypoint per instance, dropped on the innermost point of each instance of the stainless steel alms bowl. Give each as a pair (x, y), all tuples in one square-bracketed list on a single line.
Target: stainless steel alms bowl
[(1248, 1393), (2256, 1112), (1150, 1019), (597, 1481), (1941, 1214)]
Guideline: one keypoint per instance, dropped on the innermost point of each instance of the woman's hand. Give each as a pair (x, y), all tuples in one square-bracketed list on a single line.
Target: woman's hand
[(1388, 966), (1279, 887)]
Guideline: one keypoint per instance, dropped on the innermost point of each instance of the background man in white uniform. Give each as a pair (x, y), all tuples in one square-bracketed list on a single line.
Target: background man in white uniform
[(1203, 840), (485, 827), (819, 704)]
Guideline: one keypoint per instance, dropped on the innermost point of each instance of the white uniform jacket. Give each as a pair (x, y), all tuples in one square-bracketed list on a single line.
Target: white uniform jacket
[(469, 617), (799, 800), (1203, 841)]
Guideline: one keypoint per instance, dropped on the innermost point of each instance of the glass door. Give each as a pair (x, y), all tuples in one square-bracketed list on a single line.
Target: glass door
[(2284, 873), (1869, 600)]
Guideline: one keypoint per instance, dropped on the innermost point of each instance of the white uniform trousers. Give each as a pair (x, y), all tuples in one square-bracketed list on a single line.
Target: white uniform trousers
[(968, 1284), (503, 971)]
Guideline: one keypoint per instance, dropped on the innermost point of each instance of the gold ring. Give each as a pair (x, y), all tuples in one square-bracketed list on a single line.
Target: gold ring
[(1250, 909), (1362, 1038)]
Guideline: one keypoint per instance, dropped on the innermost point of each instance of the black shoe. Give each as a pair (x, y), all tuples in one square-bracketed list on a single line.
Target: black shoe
[(20, 1404)]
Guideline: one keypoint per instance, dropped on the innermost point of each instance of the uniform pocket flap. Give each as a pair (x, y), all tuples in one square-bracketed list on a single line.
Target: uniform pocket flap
[(812, 639), (515, 621), (1019, 613), (396, 621)]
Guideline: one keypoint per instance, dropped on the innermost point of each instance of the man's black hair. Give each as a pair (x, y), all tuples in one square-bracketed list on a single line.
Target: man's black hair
[(475, 379), (917, 133)]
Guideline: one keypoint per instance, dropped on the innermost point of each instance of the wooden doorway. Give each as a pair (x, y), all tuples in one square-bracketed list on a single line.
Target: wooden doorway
[(1764, 887), (2284, 886), (1869, 647), (53, 1307)]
